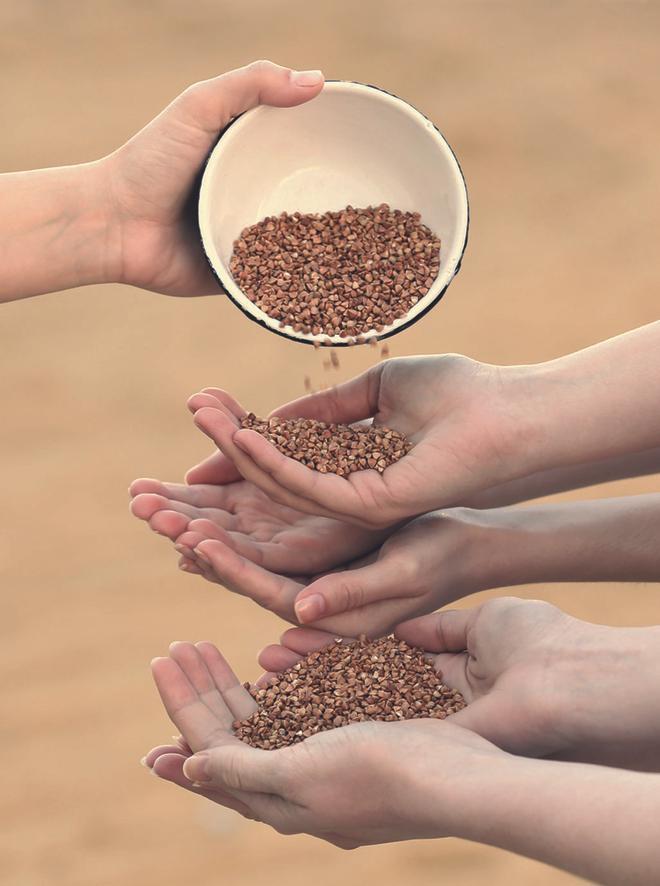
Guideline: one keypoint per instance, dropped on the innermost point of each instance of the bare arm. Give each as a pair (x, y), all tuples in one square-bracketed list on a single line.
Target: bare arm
[(130, 217), (54, 231), (599, 823), (555, 480), (613, 539)]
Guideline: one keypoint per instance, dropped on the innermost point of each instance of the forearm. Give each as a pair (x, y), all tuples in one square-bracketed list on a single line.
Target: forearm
[(596, 822), (54, 232), (595, 404), (602, 540), (555, 480)]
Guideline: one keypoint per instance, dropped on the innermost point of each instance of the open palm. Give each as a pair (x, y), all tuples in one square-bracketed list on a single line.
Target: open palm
[(274, 536)]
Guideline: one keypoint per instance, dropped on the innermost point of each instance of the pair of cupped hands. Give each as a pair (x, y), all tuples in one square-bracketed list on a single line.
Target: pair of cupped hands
[(370, 554)]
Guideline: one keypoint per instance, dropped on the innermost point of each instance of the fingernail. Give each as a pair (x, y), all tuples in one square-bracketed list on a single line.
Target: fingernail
[(306, 78), (310, 608), (196, 768), (202, 555), (143, 762)]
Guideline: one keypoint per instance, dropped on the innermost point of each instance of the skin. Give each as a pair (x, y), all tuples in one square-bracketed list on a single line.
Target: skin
[(130, 217), (473, 426), (296, 565), (528, 672), (377, 782)]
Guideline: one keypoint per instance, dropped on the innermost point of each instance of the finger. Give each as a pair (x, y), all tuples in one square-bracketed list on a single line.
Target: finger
[(440, 632), (186, 564), (201, 495), (197, 723), (235, 695), (203, 528), (240, 768), (274, 592), (221, 427), (275, 659), (340, 592), (193, 665), (202, 399), (453, 668), (213, 102), (145, 505), (168, 523), (145, 484), (349, 402), (150, 758), (216, 468), (227, 400), (267, 554), (169, 767), (293, 646), (306, 640), (330, 494)]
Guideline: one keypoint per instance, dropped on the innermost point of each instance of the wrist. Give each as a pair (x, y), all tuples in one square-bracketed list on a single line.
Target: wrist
[(86, 247), (462, 800), (625, 665), (517, 421), (101, 261), (494, 550)]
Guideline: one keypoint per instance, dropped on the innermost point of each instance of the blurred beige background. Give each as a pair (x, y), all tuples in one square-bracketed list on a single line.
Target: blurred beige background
[(552, 109)]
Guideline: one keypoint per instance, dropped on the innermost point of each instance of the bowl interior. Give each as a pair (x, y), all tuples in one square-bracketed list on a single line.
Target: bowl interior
[(353, 144)]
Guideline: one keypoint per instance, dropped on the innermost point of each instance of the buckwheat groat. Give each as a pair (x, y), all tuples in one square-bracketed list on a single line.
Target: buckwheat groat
[(332, 448), (347, 683), (340, 273)]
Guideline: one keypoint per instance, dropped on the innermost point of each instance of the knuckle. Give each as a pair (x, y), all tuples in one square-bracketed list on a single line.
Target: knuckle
[(350, 594), (406, 569), (262, 66)]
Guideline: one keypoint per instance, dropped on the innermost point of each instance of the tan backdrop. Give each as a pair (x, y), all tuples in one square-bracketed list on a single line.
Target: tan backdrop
[(552, 109)]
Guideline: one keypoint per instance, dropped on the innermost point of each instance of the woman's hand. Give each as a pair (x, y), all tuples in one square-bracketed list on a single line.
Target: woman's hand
[(241, 518), (537, 681), (379, 782), (464, 419), (296, 565), (473, 427), (151, 179), (131, 216), (362, 784)]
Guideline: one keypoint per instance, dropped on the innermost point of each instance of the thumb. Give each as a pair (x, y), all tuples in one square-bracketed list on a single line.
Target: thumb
[(216, 470), (501, 718), (239, 769), (446, 631), (340, 592), (214, 102), (352, 401)]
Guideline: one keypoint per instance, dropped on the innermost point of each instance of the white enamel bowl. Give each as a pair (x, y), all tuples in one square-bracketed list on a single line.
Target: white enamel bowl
[(353, 144)]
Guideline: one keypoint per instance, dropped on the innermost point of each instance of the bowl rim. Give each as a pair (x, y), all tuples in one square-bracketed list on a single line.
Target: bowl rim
[(326, 341)]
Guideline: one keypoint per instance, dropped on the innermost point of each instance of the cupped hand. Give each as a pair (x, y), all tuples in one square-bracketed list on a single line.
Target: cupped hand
[(240, 517), (423, 565), (466, 421), (537, 681), (362, 784), (315, 570), (150, 181)]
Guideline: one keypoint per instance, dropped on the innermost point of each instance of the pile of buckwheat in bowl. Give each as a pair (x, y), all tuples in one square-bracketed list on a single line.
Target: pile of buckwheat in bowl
[(344, 273), (347, 683), (331, 448)]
